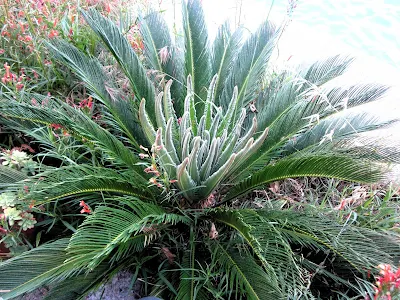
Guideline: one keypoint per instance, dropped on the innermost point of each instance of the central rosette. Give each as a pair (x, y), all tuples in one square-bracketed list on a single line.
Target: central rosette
[(199, 153)]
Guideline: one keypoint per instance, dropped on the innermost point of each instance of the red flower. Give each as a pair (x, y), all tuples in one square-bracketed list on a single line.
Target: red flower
[(8, 77), (90, 102), (86, 103), (387, 283), (85, 207), (53, 33), (19, 86), (56, 126)]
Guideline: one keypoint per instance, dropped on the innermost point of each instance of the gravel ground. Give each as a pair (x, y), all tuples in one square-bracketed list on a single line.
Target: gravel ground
[(117, 289)]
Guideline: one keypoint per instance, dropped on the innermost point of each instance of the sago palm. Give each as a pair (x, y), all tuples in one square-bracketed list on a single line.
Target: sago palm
[(166, 170)]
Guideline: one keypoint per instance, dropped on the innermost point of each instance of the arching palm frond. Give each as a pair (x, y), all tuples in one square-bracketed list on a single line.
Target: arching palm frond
[(9, 176), (357, 247), (317, 165), (197, 51), (268, 244), (64, 182), (76, 123), (249, 68), (302, 112), (42, 265), (122, 51), (121, 107), (226, 49), (127, 228), (245, 277)]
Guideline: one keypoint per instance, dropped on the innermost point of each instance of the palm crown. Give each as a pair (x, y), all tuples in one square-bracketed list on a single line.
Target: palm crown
[(211, 124)]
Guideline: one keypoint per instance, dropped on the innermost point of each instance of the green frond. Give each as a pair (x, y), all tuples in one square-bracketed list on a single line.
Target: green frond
[(189, 288), (361, 248), (124, 54), (74, 180), (125, 228), (197, 52), (322, 71), (250, 67), (323, 165), (271, 248), (9, 176), (245, 276), (46, 265), (219, 46), (353, 135), (276, 251), (76, 123), (155, 33), (289, 112), (35, 268), (346, 125), (163, 54), (91, 72), (226, 47)]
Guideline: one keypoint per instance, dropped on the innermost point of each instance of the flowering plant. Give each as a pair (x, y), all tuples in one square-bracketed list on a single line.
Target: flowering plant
[(15, 216), (387, 283)]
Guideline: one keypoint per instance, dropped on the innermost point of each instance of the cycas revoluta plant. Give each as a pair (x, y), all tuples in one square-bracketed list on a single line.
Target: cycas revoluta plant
[(165, 173)]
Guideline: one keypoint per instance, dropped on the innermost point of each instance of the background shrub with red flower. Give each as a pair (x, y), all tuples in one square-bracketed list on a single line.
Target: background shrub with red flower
[(27, 24), (387, 283)]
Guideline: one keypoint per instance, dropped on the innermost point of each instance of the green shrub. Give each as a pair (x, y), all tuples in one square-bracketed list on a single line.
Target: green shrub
[(164, 173)]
